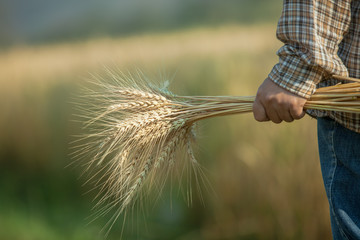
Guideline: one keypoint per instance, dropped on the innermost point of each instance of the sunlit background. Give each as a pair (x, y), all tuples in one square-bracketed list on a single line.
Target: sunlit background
[(265, 178)]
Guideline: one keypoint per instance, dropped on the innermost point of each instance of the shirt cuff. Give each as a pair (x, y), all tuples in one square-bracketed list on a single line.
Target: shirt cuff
[(295, 75)]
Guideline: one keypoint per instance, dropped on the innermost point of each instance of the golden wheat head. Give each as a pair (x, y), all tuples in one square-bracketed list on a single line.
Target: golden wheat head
[(136, 130)]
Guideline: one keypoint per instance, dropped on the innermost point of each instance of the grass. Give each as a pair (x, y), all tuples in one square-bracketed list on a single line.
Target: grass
[(265, 178)]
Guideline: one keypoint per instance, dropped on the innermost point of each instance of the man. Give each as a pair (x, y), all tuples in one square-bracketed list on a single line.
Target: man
[(321, 38)]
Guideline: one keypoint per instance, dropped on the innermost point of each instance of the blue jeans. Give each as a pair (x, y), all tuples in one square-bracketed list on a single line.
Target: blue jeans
[(339, 150)]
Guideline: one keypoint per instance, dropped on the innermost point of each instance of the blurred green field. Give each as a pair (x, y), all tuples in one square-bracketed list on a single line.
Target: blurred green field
[(266, 178)]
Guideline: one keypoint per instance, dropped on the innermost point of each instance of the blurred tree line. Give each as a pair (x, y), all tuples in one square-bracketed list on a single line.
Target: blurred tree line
[(39, 21)]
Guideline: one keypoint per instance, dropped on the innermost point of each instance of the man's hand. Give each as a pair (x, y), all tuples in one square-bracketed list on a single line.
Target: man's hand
[(277, 104)]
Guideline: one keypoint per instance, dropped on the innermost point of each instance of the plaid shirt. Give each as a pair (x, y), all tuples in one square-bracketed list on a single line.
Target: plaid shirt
[(321, 38)]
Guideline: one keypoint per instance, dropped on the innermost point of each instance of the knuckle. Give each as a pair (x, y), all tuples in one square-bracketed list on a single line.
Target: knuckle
[(258, 117), (283, 104), (289, 120), (298, 113), (294, 104), (256, 114), (297, 116), (269, 98)]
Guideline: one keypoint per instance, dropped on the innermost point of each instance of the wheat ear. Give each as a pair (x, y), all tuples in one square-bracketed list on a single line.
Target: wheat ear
[(136, 129)]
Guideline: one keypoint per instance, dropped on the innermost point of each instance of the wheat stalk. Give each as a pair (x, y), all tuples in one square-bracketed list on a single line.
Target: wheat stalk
[(137, 128)]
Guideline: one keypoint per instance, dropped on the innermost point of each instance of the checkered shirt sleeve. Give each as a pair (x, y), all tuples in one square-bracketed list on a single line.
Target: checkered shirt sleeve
[(311, 31)]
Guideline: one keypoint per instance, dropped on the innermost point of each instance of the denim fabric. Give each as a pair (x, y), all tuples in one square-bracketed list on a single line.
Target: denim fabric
[(339, 150)]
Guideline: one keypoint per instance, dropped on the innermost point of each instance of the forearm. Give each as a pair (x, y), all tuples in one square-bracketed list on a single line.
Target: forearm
[(311, 32)]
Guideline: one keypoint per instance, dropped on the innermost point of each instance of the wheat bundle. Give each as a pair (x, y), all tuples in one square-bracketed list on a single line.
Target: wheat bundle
[(136, 130)]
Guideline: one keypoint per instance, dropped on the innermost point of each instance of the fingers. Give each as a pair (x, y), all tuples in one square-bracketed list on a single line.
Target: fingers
[(277, 104), (273, 114), (272, 111), (286, 116), (265, 113), (297, 112), (259, 112)]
